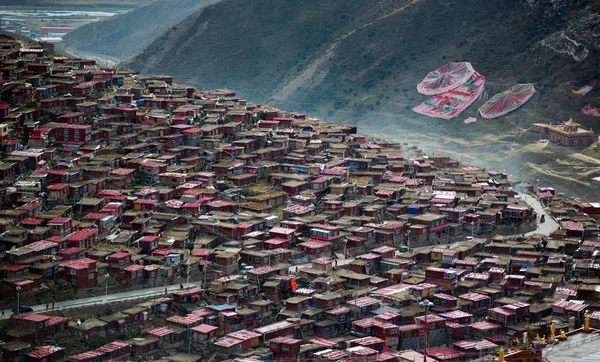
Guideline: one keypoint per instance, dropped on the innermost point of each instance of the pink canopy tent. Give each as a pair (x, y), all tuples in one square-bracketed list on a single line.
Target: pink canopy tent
[(507, 101), (453, 102), (445, 78)]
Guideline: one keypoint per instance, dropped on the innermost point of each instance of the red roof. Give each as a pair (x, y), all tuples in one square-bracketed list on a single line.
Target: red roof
[(192, 130), (485, 325), (244, 334), (276, 241), (282, 230), (32, 221), (337, 171), (204, 328), (60, 220), (364, 301), (323, 342), (159, 332), (119, 255), (58, 187), (502, 311), (570, 305), (227, 342), (44, 351), (133, 268), (35, 317), (315, 244), (444, 353), (476, 345), (70, 115), (78, 264), (95, 215), (121, 172), (42, 245), (16, 267), (572, 226), (82, 234)]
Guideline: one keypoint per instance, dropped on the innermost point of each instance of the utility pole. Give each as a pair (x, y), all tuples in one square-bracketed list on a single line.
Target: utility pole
[(425, 304), (18, 288), (189, 340), (188, 273)]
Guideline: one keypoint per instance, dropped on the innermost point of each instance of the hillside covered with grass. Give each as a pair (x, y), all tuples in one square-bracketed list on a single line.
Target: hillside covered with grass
[(126, 34), (360, 62)]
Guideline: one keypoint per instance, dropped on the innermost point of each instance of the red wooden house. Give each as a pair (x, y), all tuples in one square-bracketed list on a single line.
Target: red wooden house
[(42, 325), (274, 330), (80, 273), (46, 353), (445, 278), (62, 226), (284, 348), (164, 336), (315, 249), (203, 334), (84, 238)]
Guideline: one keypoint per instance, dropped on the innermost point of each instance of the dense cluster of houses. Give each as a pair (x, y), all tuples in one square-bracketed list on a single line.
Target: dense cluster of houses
[(308, 239)]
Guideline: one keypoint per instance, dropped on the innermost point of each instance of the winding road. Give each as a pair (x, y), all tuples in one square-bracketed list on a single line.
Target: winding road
[(546, 228)]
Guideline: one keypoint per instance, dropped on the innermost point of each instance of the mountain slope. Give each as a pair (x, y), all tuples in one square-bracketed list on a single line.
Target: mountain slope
[(124, 35), (360, 61), (308, 53), (254, 44)]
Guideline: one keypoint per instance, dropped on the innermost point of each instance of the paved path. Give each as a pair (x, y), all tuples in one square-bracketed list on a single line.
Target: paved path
[(545, 228), (134, 294)]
